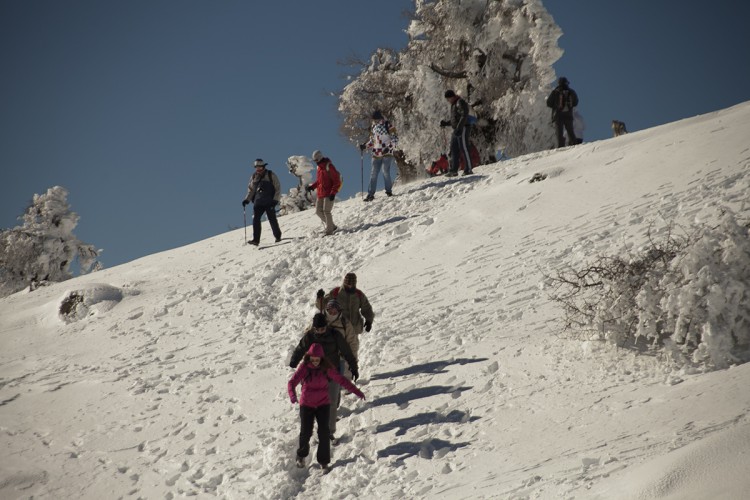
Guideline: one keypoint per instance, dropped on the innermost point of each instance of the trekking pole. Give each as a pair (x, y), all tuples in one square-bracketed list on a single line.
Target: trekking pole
[(244, 220), (362, 172)]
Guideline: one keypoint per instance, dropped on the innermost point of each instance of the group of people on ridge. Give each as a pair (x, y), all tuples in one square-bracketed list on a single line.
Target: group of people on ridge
[(326, 359), (264, 189)]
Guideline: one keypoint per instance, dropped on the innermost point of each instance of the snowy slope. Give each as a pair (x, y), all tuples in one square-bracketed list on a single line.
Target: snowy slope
[(171, 382)]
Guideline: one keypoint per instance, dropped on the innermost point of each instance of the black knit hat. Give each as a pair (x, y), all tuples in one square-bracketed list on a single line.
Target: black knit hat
[(319, 320), (350, 280), (449, 93), (377, 115)]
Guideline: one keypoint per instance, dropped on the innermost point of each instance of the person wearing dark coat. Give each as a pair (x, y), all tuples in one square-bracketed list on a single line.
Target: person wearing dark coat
[(264, 192), (460, 138), (335, 347), (562, 100)]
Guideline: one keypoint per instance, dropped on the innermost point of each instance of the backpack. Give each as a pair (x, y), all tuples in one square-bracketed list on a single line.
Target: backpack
[(566, 101), (335, 292), (336, 177)]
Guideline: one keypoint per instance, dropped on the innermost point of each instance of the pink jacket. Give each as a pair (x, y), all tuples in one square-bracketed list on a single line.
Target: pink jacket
[(315, 385)]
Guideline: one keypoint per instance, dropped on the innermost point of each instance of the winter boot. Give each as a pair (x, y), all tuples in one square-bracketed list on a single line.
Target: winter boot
[(369, 197), (300, 462)]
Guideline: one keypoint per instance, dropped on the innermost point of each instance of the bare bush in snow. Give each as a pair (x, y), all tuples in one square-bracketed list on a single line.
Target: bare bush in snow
[(687, 297)]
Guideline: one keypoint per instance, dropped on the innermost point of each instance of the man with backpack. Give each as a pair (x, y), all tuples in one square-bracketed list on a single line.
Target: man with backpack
[(264, 192), (460, 138), (562, 100), (382, 145), (328, 183), (353, 302)]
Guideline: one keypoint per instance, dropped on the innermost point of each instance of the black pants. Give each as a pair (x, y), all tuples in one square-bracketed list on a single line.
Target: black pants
[(565, 119), (308, 416), (271, 214), (460, 146)]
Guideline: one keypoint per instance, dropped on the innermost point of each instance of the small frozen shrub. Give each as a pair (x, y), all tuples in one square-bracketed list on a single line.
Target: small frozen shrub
[(687, 297)]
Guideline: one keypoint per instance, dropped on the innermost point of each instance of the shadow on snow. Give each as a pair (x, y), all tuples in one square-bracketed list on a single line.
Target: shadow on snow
[(433, 367), (365, 227), (419, 393), (445, 181), (424, 449), (404, 424)]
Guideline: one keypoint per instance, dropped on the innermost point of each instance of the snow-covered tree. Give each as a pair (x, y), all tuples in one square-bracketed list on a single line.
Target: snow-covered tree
[(44, 247), (298, 199), (498, 54)]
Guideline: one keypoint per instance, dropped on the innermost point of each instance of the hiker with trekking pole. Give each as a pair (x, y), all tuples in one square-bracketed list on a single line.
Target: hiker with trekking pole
[(264, 192)]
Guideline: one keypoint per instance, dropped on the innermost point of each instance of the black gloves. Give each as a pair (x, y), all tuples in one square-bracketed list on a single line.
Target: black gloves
[(355, 373), (245, 203), (321, 293), (362, 147), (332, 197), (308, 188), (368, 326), (444, 123)]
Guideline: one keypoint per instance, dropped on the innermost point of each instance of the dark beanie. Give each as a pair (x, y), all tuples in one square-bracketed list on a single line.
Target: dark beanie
[(377, 115), (319, 320), (449, 93), (350, 279)]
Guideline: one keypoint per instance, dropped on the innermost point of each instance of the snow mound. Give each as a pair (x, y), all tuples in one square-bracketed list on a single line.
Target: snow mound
[(708, 468), (92, 299)]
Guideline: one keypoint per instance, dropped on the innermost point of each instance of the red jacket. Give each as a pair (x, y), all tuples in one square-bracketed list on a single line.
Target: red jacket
[(328, 181), (315, 385)]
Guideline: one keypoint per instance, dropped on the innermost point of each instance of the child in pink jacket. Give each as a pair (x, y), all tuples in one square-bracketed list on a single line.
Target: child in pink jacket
[(314, 373)]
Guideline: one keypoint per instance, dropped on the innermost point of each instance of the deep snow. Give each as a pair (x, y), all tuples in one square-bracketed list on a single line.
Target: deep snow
[(171, 380)]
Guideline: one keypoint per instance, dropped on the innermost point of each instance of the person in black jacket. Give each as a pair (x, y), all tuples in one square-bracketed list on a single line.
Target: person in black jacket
[(460, 138), (335, 347), (264, 192), (562, 100)]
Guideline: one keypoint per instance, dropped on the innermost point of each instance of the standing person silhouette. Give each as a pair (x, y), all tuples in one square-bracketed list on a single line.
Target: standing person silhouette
[(562, 100)]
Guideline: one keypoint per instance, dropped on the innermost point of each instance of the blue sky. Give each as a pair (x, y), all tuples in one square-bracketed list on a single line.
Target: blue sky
[(151, 112)]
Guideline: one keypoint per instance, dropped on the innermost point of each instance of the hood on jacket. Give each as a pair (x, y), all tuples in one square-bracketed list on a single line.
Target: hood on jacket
[(350, 280), (316, 351)]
